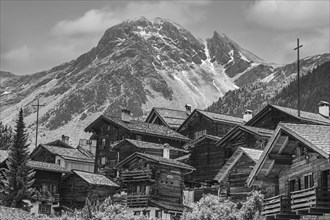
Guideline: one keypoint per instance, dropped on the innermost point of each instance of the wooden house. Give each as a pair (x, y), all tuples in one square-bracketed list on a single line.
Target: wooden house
[(127, 147), (79, 185), (271, 115), (296, 163), (107, 130), (64, 155), (202, 122), (154, 184), (46, 199), (233, 175), (170, 118)]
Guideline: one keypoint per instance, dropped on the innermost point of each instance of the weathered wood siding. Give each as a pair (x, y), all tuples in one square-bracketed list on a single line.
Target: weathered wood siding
[(74, 191), (44, 156), (47, 177), (301, 166), (208, 159)]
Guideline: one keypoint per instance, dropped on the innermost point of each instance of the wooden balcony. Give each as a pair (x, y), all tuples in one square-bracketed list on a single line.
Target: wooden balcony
[(313, 201), (136, 175), (137, 200), (278, 207)]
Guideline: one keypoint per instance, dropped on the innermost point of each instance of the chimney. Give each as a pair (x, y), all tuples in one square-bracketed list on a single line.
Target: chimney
[(166, 151), (65, 139), (125, 115), (324, 109), (188, 109), (247, 115)]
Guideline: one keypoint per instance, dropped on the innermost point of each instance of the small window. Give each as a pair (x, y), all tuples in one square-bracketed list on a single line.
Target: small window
[(146, 213), (103, 142), (159, 214), (44, 209), (103, 160), (137, 212), (59, 162), (139, 137), (308, 181)]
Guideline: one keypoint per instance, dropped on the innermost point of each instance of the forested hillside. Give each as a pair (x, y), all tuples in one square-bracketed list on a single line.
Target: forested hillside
[(315, 86)]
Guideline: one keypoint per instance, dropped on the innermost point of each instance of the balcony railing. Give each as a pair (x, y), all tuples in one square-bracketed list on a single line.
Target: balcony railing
[(276, 205), (135, 175), (315, 197), (137, 200)]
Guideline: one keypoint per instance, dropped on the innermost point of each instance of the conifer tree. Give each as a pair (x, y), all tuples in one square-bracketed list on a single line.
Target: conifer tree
[(17, 180), (6, 136)]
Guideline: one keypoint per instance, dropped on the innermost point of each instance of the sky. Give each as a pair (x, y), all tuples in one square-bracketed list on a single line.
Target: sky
[(38, 35)]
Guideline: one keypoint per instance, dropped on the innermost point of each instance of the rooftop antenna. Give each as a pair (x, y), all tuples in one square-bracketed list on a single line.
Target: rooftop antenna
[(297, 48), (37, 105)]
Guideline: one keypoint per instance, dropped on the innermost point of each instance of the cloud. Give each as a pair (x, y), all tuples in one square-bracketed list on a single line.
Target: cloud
[(290, 15), (69, 38)]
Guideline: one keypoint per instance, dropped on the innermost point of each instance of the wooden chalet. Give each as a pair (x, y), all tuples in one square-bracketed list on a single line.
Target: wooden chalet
[(129, 146), (46, 198), (154, 184), (79, 185), (107, 130), (296, 162), (233, 175), (47, 178), (202, 122), (205, 157), (271, 115), (170, 118), (64, 155)]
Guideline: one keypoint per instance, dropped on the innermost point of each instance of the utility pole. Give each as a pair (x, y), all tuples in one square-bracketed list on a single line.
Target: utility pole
[(37, 105), (297, 48)]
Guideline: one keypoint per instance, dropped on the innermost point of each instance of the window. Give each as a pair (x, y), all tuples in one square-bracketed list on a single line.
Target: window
[(146, 212), (44, 209), (103, 160), (139, 137), (59, 162), (159, 214), (292, 185), (308, 181), (103, 143), (137, 212)]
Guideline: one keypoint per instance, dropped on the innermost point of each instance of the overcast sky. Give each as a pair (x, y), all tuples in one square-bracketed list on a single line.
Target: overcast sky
[(38, 35)]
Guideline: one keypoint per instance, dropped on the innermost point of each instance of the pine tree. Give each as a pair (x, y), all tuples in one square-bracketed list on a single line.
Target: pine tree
[(17, 180), (6, 136)]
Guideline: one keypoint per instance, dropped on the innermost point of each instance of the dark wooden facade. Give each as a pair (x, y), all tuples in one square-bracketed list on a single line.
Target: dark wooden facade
[(152, 179), (107, 131), (75, 189), (201, 122), (297, 165)]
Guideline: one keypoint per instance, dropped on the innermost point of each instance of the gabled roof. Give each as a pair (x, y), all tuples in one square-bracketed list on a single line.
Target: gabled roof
[(59, 143), (140, 128), (240, 129), (253, 154), (215, 117), (95, 179), (3, 155), (65, 153), (156, 159), (200, 139), (144, 144), (172, 118), (305, 117), (316, 137), (52, 167)]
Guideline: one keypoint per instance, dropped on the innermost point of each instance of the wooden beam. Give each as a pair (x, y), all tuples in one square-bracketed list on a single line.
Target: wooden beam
[(281, 159), (270, 167), (286, 140)]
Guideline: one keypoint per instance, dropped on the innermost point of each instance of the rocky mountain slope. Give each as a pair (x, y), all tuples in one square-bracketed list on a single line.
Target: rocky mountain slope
[(137, 64), (278, 85)]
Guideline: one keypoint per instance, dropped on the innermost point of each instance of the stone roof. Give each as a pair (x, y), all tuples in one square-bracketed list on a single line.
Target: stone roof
[(157, 159), (317, 136), (253, 154), (3, 155), (201, 138), (95, 179), (221, 117), (258, 131), (68, 153), (38, 165), (308, 116), (172, 117), (149, 145), (143, 128)]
